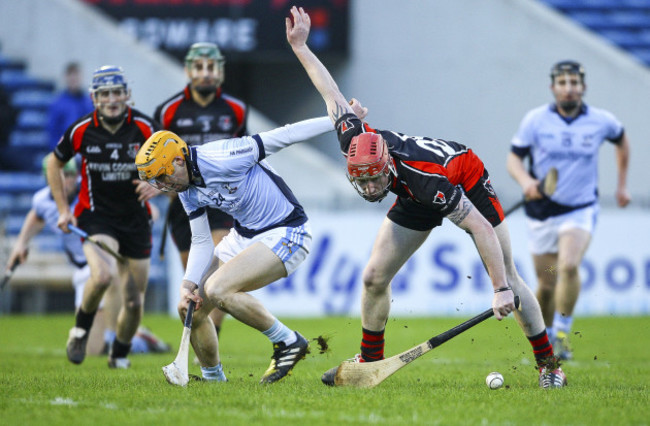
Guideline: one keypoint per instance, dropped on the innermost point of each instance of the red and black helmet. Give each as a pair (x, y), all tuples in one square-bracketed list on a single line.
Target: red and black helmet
[(368, 160)]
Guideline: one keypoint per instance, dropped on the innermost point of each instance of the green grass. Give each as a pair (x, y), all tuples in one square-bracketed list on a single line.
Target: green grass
[(608, 381)]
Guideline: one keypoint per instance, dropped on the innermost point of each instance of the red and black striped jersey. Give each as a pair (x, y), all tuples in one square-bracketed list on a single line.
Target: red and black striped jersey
[(108, 162), (223, 118), (428, 169)]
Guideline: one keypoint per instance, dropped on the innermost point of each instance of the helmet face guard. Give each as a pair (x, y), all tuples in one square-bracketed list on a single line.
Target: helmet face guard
[(207, 51), (567, 67), (370, 166), (155, 160), (108, 89), (108, 77)]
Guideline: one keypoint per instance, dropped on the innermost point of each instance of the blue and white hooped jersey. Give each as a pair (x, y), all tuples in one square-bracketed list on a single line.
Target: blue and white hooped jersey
[(231, 175), (569, 145), (45, 208)]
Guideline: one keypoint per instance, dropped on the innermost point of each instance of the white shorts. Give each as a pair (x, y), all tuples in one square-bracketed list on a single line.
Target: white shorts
[(543, 234), (291, 245)]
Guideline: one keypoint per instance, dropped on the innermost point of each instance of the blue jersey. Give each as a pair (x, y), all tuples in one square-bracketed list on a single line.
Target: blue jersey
[(45, 208), (569, 145), (231, 175)]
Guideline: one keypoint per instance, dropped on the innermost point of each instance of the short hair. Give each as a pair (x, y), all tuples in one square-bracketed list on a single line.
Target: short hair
[(567, 67), (72, 67)]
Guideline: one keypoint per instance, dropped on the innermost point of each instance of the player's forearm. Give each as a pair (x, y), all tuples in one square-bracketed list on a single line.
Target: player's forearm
[(201, 250), (516, 168), (622, 161), (323, 81), (468, 218), (277, 139), (489, 249), (55, 181), (31, 227)]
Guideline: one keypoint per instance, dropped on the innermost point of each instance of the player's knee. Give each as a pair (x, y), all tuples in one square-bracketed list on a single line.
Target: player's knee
[(133, 304), (102, 279), (568, 266), (374, 280), (218, 296)]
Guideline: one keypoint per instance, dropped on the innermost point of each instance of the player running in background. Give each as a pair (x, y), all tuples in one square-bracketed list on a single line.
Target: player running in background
[(567, 135), (112, 208), (72, 103), (201, 113), (44, 214), (270, 238), (432, 179)]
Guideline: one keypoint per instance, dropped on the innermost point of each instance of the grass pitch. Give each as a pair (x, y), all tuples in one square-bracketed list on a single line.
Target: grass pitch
[(608, 381)]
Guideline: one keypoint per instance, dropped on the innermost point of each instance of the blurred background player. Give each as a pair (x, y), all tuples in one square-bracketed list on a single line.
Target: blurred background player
[(44, 213), (271, 236), (72, 103), (8, 115), (112, 208), (432, 179), (202, 113), (566, 134)]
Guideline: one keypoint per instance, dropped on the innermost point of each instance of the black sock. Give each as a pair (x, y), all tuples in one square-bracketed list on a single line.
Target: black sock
[(84, 320), (119, 349)]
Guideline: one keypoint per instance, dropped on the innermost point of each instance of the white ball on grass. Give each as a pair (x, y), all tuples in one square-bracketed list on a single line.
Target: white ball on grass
[(494, 380)]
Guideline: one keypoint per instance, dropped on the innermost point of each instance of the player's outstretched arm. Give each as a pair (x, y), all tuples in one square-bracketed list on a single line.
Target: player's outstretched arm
[(297, 33), (31, 227)]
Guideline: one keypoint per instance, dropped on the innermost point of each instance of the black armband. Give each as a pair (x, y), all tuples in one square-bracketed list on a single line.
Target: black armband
[(506, 288)]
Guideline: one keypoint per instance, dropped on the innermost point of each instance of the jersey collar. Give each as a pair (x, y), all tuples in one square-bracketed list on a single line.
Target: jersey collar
[(128, 113), (568, 120), (193, 167), (188, 93)]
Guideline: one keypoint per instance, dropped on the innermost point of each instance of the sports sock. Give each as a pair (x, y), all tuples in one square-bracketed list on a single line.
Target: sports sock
[(280, 333), (562, 323), (372, 345), (551, 333), (119, 349), (542, 347), (84, 320), (214, 373)]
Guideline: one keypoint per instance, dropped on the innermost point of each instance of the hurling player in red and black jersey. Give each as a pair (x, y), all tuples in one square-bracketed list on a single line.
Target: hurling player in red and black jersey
[(202, 113), (112, 207), (432, 179)]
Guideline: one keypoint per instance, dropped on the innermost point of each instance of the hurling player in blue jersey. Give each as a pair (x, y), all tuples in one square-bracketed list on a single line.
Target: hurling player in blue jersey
[(566, 134), (270, 237), (432, 179)]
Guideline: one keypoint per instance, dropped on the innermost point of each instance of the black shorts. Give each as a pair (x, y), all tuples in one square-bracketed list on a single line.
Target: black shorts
[(416, 216), (179, 223), (485, 199), (133, 233), (410, 214)]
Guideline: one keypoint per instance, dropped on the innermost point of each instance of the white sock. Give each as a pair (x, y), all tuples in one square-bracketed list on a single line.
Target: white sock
[(550, 331), (214, 373), (562, 323), (280, 333)]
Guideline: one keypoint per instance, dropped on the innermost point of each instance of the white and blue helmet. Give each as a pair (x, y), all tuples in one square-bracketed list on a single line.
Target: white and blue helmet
[(108, 77)]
